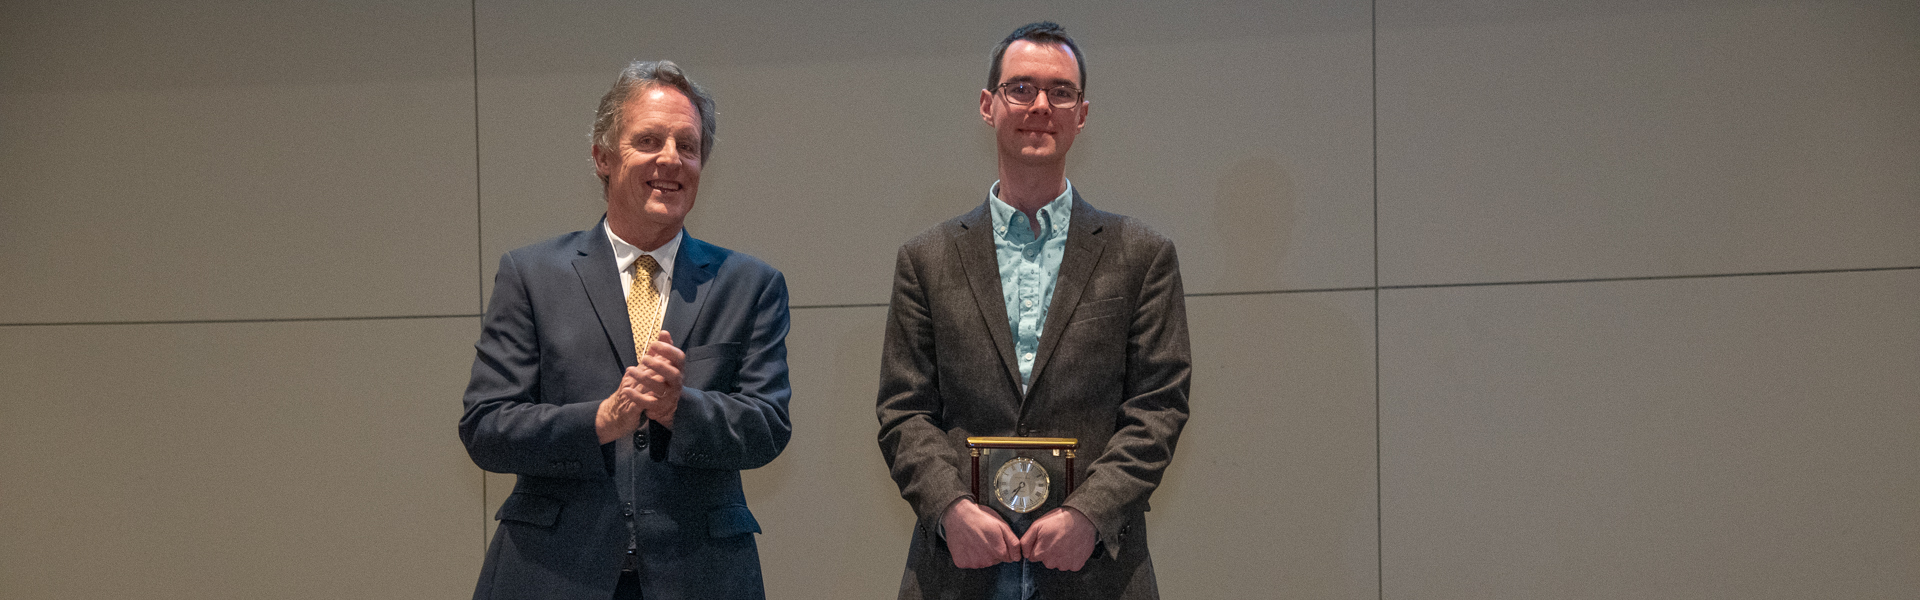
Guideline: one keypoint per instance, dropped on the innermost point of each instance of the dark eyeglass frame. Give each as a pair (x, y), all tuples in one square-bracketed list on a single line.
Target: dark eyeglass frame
[(1005, 92)]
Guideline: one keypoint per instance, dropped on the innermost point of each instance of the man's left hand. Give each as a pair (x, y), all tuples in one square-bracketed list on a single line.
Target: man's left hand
[(660, 379), (1061, 540)]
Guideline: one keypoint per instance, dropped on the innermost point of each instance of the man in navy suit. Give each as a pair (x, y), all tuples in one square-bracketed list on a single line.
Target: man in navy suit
[(627, 373)]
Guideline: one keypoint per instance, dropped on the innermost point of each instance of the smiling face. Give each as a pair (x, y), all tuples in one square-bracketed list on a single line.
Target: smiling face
[(653, 169), (1037, 134)]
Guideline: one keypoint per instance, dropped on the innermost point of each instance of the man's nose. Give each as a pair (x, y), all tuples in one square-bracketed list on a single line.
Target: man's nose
[(670, 152)]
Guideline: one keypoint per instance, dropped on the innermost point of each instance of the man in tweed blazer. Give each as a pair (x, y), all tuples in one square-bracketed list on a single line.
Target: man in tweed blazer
[(1034, 315)]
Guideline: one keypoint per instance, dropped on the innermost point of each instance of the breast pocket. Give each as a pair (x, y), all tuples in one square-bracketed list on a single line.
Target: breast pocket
[(714, 366), (1102, 308)]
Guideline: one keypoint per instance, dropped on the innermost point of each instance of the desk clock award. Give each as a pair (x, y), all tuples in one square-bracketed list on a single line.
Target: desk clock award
[(1021, 482)]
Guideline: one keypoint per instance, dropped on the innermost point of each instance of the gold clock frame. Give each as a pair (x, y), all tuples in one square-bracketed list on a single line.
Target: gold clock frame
[(1063, 447)]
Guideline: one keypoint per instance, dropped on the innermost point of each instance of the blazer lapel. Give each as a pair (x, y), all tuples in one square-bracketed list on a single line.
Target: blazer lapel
[(973, 243), (600, 278), (693, 271), (1084, 247)]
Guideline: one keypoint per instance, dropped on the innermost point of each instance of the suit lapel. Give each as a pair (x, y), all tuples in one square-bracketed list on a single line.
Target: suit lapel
[(600, 278), (973, 243), (1085, 244), (693, 271)]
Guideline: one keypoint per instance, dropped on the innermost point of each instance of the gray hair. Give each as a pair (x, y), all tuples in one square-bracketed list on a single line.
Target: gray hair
[(643, 74)]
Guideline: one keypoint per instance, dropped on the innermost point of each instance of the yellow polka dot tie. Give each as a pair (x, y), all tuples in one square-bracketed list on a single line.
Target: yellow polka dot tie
[(644, 308)]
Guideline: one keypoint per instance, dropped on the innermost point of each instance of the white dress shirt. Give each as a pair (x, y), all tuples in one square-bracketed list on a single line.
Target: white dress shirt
[(624, 254)]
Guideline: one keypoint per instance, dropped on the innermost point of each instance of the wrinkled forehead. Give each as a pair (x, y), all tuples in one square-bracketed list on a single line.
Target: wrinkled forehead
[(660, 105)]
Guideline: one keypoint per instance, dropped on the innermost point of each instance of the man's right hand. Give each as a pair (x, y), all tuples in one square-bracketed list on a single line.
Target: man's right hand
[(977, 537), (620, 414)]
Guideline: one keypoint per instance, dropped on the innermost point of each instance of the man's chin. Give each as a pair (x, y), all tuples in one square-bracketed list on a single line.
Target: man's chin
[(671, 208), (1039, 153)]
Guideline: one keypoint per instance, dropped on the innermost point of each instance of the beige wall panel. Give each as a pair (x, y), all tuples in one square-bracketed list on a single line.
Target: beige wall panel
[(845, 130), (536, 163), (1528, 141), (1272, 492), (833, 523), (203, 160), (1748, 437), (283, 460)]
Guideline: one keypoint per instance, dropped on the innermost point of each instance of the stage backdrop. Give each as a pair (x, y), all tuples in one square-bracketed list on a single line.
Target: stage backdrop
[(1489, 299)]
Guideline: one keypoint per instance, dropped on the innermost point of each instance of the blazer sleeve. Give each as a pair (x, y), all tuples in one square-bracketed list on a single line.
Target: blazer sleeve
[(1153, 408), (748, 425), (508, 425), (909, 404)]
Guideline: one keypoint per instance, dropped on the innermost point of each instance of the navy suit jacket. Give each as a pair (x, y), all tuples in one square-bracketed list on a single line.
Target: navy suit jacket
[(553, 345)]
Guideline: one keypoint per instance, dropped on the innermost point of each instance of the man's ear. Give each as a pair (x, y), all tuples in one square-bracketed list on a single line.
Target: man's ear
[(1085, 107), (986, 106), (603, 160)]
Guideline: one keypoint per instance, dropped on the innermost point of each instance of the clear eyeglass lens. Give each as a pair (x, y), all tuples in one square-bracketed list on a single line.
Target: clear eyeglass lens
[(1022, 93), (1026, 93)]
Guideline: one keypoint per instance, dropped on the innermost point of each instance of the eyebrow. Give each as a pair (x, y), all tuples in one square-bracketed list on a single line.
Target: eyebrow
[(688, 139), (669, 130), (1030, 79)]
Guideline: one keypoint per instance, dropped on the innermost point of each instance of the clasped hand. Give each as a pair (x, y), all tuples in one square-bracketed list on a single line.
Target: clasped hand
[(648, 391), (1062, 539)]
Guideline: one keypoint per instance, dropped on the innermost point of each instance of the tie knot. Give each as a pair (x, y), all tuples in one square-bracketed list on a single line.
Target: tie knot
[(645, 265)]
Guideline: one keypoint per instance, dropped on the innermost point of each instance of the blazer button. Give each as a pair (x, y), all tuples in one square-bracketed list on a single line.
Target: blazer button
[(639, 439)]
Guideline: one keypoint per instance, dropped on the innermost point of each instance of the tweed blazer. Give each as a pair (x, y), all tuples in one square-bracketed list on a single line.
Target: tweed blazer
[(1113, 370)]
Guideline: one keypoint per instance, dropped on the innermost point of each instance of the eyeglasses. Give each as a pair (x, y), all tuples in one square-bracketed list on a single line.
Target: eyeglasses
[(1023, 94)]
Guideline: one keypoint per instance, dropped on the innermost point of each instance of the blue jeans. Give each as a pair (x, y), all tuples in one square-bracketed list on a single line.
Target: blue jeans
[(1015, 581)]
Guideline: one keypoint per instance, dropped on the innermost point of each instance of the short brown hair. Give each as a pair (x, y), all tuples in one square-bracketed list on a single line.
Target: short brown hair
[(1043, 32)]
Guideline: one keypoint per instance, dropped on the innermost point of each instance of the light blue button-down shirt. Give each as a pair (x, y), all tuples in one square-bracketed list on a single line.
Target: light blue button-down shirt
[(1029, 266)]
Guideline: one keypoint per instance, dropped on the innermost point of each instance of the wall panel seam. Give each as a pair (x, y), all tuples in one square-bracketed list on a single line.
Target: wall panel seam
[(479, 223), (1379, 506), (244, 321), (1371, 288)]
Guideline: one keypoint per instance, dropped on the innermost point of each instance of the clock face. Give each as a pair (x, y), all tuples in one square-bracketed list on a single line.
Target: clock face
[(1021, 485)]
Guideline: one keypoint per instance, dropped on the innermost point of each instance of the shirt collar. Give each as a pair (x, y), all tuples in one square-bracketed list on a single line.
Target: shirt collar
[(1054, 215), (624, 253)]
